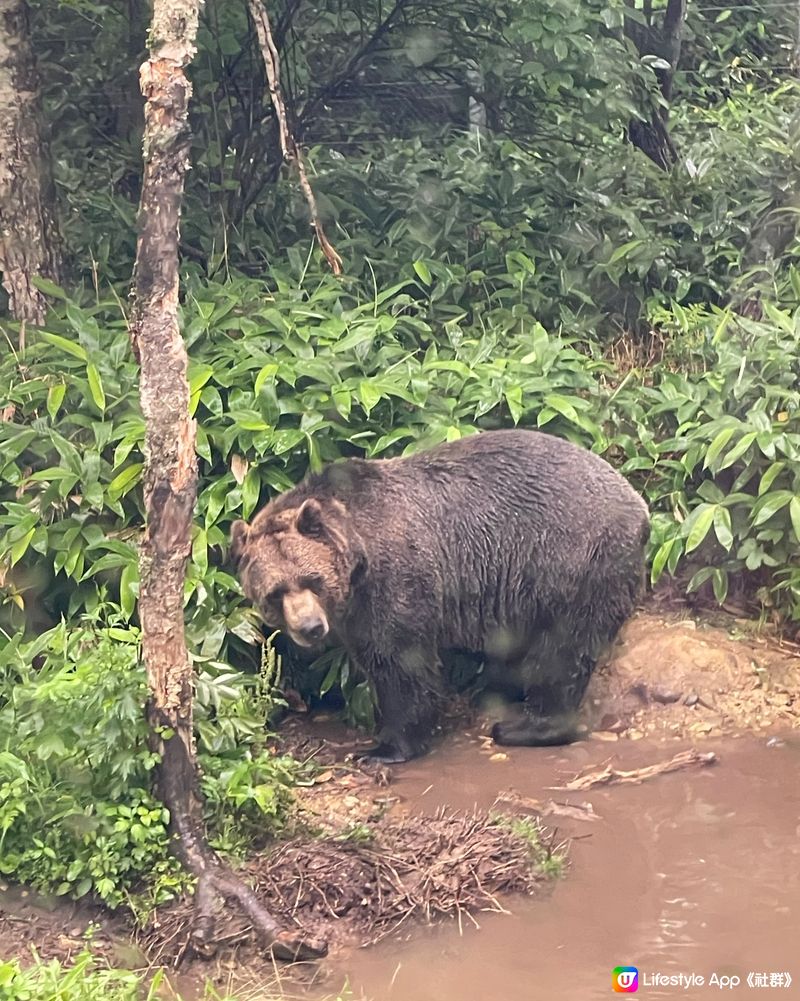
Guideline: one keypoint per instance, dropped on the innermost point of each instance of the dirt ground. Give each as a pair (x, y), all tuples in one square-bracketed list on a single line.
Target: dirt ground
[(673, 676), (669, 678)]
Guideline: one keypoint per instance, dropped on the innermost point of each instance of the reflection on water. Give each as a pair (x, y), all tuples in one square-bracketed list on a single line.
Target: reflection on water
[(695, 872)]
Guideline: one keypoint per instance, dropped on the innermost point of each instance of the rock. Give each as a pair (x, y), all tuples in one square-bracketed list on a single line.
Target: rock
[(499, 756), (665, 696), (612, 723)]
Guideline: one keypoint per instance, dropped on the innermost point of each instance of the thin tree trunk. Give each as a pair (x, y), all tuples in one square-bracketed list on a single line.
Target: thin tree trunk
[(652, 137), (29, 245), (171, 476)]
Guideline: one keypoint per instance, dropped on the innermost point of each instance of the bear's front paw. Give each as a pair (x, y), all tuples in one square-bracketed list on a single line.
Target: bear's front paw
[(537, 731), (394, 750)]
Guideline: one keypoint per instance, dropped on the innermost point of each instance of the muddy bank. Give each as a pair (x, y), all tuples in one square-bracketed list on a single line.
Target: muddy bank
[(674, 677)]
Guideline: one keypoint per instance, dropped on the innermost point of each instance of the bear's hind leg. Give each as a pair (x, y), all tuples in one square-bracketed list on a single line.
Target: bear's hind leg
[(551, 707)]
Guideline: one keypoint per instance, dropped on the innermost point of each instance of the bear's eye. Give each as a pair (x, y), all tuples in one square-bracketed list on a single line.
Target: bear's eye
[(274, 596), (313, 582)]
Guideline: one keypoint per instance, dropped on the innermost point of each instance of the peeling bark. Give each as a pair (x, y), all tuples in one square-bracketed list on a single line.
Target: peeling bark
[(170, 485), (28, 232)]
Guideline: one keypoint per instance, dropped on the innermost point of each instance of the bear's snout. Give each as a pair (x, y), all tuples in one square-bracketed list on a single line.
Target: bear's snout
[(305, 619), (311, 631)]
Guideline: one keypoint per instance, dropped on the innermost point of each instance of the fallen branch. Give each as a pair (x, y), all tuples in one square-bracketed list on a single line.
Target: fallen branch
[(612, 776), (289, 148)]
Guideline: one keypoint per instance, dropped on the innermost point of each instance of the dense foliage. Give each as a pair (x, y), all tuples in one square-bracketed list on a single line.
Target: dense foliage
[(540, 271), (77, 811)]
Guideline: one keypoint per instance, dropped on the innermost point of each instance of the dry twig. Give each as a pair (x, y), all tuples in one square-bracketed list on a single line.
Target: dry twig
[(412, 869)]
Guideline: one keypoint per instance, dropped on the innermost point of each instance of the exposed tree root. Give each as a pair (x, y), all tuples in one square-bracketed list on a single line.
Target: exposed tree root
[(215, 881)]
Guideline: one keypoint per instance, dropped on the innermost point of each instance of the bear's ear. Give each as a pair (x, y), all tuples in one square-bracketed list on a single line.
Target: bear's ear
[(240, 531), (310, 520)]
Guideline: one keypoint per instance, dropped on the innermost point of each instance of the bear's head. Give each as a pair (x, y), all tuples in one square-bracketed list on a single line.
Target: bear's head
[(298, 564)]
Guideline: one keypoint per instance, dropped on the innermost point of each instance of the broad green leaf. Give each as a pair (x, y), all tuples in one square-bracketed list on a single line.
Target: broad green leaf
[(769, 477), (624, 250), (55, 397), (96, 387), (369, 396), (660, 559), (251, 491), (697, 525), (267, 372), (768, 505), (249, 420), (342, 400), (721, 326), (423, 271), (199, 376), (128, 582), (784, 320), (513, 397), (48, 287), (738, 449), (794, 514), (71, 347), (722, 527), (20, 547), (562, 405), (123, 481), (200, 550), (717, 445)]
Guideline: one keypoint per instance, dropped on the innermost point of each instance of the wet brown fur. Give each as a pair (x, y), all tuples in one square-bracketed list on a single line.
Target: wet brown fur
[(513, 544)]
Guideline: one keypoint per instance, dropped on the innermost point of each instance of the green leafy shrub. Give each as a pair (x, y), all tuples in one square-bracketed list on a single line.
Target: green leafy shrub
[(80, 981), (85, 979), (311, 370), (77, 810), (717, 452)]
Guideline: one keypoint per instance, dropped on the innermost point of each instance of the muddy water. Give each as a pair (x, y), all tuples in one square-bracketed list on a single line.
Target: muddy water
[(691, 873)]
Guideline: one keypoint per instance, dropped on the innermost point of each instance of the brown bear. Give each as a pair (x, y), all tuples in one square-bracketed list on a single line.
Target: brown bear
[(514, 545)]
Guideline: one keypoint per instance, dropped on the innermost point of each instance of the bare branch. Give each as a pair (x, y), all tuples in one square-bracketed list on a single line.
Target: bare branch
[(289, 148)]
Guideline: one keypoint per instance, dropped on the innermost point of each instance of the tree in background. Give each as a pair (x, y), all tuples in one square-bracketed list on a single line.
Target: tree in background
[(28, 234), (658, 37), (170, 489)]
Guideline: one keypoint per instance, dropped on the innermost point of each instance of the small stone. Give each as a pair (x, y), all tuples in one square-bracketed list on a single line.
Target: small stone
[(499, 756), (605, 735), (776, 742), (691, 699), (665, 696), (635, 735), (612, 723)]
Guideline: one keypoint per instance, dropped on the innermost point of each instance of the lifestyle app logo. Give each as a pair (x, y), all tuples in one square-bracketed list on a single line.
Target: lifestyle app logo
[(625, 979)]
